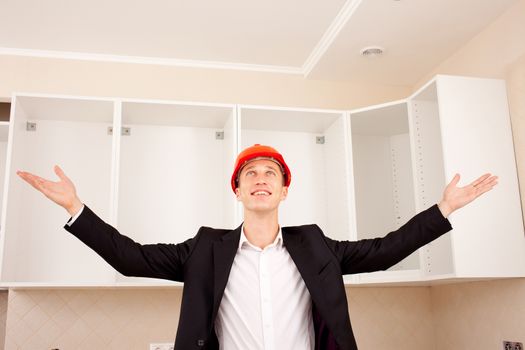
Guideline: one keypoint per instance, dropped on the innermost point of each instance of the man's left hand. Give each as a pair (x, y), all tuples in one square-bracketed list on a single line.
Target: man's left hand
[(456, 197)]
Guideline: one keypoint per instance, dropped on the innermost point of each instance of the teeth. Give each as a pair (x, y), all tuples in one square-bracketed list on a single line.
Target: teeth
[(261, 193)]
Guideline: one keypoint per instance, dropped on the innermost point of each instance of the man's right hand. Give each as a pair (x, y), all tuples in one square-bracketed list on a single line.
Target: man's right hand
[(62, 192)]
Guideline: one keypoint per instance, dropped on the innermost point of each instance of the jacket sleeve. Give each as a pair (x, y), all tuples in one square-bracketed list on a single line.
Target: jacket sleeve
[(376, 254), (128, 257)]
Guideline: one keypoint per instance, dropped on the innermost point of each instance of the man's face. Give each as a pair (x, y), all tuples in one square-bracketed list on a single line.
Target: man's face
[(261, 186)]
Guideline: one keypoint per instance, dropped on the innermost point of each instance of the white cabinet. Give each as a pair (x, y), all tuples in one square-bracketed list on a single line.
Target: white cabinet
[(47, 131), (157, 170), (158, 179), (404, 155), (465, 124)]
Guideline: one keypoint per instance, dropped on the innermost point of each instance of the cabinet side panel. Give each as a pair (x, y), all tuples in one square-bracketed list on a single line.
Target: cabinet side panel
[(18, 119), (335, 156), (3, 159), (488, 234), (229, 149), (436, 258), (403, 192)]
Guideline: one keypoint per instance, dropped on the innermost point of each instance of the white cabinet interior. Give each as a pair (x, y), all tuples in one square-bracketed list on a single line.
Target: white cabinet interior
[(383, 173)]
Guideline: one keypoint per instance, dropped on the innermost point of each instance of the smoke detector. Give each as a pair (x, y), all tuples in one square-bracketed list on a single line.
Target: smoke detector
[(372, 51)]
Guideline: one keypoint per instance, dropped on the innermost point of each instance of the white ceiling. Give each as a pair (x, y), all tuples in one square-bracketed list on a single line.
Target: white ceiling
[(318, 39)]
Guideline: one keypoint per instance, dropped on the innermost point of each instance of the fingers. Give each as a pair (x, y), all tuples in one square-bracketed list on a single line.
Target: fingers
[(35, 181), (455, 180), (60, 173), (487, 185), (479, 180)]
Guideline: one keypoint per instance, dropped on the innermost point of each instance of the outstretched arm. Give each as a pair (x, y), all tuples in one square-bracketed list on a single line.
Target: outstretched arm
[(62, 192), (369, 255), (125, 255), (457, 197)]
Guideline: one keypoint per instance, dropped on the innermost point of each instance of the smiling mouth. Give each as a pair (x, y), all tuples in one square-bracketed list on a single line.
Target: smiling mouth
[(261, 193)]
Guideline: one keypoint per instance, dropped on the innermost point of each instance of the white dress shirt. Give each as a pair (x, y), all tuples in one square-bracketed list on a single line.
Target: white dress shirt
[(265, 305), (72, 220)]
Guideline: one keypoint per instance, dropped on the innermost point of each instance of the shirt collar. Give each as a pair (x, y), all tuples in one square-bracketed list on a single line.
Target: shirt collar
[(278, 242)]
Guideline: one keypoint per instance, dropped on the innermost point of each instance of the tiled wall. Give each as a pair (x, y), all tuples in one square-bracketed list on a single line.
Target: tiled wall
[(396, 318), (475, 315), (73, 319), (383, 318), (479, 315)]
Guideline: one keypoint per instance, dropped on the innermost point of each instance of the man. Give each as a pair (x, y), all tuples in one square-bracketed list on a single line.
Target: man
[(259, 286)]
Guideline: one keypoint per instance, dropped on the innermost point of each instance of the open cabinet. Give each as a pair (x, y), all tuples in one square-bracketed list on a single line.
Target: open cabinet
[(158, 170)]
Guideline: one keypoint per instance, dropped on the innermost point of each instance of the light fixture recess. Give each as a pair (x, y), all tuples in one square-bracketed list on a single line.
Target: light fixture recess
[(372, 51)]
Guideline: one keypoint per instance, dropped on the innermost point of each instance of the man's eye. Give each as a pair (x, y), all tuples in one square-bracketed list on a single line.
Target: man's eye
[(270, 173), (250, 172)]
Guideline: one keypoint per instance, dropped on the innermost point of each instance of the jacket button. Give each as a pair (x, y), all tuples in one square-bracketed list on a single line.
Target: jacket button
[(200, 342)]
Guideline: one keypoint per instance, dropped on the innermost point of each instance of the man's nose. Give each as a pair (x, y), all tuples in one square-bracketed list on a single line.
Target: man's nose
[(260, 179)]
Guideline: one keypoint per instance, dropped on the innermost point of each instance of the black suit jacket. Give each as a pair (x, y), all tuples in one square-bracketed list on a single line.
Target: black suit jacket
[(203, 263)]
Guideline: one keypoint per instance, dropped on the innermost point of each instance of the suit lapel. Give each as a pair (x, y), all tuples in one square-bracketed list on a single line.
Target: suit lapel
[(302, 257), (224, 251)]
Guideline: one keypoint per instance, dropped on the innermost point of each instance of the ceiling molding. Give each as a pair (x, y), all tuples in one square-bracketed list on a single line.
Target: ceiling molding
[(330, 35), (150, 60)]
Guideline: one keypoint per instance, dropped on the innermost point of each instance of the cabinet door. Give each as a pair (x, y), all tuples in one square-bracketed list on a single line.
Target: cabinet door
[(72, 133), (314, 145), (383, 180), (175, 163)]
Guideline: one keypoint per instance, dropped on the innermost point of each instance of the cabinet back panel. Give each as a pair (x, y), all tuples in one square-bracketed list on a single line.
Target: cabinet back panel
[(384, 187), (172, 181), (306, 202)]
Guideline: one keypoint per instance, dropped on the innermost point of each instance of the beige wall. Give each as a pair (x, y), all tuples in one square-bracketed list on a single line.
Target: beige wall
[(490, 53), (40, 75)]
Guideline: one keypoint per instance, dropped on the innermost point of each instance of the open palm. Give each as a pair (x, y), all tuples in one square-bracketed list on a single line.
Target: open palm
[(455, 197), (62, 192)]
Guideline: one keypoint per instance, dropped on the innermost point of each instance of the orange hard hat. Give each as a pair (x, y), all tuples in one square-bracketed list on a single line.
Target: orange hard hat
[(258, 151)]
